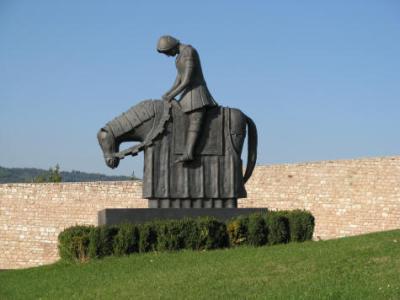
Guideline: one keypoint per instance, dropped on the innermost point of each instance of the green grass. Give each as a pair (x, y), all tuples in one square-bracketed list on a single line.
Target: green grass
[(363, 267)]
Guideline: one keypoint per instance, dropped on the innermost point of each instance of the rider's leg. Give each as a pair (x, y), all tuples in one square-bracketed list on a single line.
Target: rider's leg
[(195, 125)]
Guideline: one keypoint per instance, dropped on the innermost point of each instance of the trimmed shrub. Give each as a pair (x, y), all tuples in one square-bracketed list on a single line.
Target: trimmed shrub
[(278, 228), (257, 230), (73, 243), (147, 237), (301, 225), (101, 241), (212, 234), (191, 232), (238, 230), (126, 241), (171, 235)]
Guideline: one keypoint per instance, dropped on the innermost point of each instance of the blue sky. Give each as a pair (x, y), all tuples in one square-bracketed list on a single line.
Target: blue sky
[(320, 78)]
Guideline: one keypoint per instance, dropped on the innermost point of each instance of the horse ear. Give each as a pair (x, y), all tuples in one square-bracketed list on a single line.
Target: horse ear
[(102, 133)]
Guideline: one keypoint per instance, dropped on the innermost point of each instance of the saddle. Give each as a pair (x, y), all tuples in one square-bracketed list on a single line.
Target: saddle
[(211, 140)]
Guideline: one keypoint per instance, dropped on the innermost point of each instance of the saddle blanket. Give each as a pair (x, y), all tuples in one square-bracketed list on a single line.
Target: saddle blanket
[(211, 140)]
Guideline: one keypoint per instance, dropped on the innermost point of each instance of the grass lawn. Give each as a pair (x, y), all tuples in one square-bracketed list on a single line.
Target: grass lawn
[(363, 267)]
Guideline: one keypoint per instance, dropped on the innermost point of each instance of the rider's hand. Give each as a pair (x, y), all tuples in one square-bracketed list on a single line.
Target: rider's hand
[(167, 98)]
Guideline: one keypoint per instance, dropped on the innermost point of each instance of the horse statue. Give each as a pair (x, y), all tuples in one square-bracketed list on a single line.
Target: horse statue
[(214, 179)]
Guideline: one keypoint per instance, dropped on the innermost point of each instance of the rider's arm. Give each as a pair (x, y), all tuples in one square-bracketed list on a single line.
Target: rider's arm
[(176, 83), (185, 80)]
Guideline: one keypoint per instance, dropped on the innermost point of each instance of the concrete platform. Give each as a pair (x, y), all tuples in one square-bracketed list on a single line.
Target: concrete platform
[(114, 216)]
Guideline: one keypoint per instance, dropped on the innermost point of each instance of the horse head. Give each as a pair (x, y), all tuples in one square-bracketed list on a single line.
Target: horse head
[(133, 125), (109, 147)]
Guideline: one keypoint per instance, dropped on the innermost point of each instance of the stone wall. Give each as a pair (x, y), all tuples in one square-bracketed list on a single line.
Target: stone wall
[(33, 214), (347, 197)]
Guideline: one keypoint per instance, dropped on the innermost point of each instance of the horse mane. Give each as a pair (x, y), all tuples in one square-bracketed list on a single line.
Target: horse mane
[(133, 117)]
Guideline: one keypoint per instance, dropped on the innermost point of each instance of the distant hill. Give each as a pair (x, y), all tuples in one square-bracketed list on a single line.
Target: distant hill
[(14, 175)]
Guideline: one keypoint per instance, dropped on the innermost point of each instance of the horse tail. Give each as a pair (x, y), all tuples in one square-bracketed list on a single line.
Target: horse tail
[(252, 142)]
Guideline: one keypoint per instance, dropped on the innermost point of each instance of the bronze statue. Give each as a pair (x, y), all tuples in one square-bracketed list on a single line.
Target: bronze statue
[(196, 130), (190, 83)]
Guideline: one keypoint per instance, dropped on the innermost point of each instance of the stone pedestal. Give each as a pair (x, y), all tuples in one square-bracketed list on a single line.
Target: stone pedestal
[(114, 216)]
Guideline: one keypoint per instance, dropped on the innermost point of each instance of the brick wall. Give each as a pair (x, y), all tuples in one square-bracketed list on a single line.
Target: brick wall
[(347, 197)]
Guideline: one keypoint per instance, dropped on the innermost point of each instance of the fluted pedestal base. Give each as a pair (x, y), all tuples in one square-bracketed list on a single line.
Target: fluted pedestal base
[(193, 203)]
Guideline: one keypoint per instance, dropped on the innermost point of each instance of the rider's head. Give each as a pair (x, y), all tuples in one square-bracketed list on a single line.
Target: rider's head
[(168, 45)]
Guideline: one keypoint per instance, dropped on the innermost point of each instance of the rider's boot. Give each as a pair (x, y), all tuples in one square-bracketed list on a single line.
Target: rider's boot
[(190, 146)]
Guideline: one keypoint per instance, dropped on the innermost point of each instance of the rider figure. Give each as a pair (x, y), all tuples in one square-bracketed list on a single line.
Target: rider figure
[(190, 83)]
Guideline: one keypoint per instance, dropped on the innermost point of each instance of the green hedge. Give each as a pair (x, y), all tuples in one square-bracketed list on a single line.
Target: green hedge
[(238, 230), (272, 227), (301, 224), (148, 237), (80, 243), (126, 241), (73, 243), (259, 229), (174, 234), (278, 228), (257, 232), (212, 234), (102, 241)]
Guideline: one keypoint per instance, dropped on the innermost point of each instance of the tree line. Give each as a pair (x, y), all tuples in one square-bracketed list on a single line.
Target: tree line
[(54, 174)]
